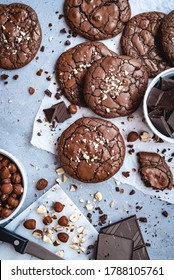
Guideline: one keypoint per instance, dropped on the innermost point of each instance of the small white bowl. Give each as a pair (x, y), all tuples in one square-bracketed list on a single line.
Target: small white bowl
[(24, 181), (165, 74)]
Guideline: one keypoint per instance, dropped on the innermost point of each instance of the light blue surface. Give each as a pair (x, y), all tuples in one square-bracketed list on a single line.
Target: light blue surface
[(16, 123)]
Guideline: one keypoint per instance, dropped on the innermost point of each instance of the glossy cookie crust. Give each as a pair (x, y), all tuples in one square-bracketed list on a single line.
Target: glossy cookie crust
[(97, 19), (20, 35), (115, 86), (91, 150), (72, 66), (141, 40)]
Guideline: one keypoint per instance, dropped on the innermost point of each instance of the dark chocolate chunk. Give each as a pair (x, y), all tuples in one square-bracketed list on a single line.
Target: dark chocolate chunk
[(48, 92), (143, 219), (166, 100), (127, 228), (140, 254), (111, 247), (50, 114), (165, 214), (154, 97), (170, 121), (61, 113), (161, 125), (166, 84)]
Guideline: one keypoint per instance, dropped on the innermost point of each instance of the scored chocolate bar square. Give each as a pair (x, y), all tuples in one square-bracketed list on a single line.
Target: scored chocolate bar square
[(127, 228), (111, 247), (140, 254)]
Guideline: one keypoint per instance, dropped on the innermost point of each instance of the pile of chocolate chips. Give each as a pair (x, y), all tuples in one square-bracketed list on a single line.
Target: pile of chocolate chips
[(122, 241), (160, 105)]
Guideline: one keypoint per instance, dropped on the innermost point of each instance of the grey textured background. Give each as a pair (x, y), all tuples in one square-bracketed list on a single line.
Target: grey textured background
[(17, 112)]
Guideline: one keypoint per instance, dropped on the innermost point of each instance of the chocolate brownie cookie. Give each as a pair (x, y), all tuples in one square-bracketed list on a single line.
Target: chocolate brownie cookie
[(115, 86), (140, 39), (72, 66), (20, 35), (154, 171), (167, 36), (97, 19), (91, 150)]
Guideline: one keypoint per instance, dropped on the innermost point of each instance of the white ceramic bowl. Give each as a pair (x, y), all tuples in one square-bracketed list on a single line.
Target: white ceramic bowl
[(24, 181), (167, 74)]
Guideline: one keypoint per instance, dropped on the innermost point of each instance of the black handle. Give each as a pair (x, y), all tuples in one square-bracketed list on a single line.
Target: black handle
[(14, 239)]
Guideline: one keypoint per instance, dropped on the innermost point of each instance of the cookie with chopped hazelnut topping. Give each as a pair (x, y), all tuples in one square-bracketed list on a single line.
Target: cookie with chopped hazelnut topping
[(20, 35), (72, 66), (115, 86), (91, 150)]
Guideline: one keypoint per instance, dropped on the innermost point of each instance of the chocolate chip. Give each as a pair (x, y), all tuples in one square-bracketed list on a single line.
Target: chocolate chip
[(63, 30), (165, 214), (48, 92), (39, 72), (67, 43), (15, 77), (4, 77), (132, 192), (42, 49), (126, 174), (143, 219)]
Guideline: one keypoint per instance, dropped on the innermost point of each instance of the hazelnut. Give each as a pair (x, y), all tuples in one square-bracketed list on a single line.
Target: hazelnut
[(58, 206), (16, 178), (63, 221), (63, 237), (4, 197), (47, 220), (7, 188), (4, 162), (12, 168), (41, 184), (13, 195), (72, 109), (5, 173), (6, 181), (132, 136), (18, 189), (5, 212), (38, 233), (1, 157), (30, 224), (13, 202)]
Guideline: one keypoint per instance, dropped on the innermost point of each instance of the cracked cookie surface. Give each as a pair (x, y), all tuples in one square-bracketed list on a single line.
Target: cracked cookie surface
[(20, 35), (167, 36), (97, 19), (140, 39), (115, 86), (72, 66), (91, 150), (154, 171)]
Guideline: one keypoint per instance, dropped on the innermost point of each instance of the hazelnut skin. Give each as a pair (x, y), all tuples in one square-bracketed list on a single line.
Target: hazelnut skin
[(13, 202), (5, 212), (58, 206), (30, 224), (16, 178), (7, 188), (18, 189), (5, 173), (63, 237), (63, 221), (42, 184)]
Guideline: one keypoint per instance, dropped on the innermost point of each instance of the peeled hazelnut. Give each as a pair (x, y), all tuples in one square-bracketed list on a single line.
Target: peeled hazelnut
[(12, 168), (5, 212), (72, 109), (13, 202), (132, 136), (5, 173), (63, 221), (7, 188), (16, 178), (41, 209), (41, 184), (30, 224), (63, 237), (47, 220), (58, 206), (38, 233), (18, 189), (145, 136)]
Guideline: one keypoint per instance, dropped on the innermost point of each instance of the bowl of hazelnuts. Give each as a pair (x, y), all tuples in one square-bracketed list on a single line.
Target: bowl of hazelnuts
[(13, 186)]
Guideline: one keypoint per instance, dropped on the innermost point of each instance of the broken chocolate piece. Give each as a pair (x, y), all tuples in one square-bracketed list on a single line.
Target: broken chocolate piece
[(61, 113), (161, 125), (165, 101), (154, 171), (48, 92), (166, 84), (170, 121), (50, 114), (111, 247), (154, 97), (140, 254)]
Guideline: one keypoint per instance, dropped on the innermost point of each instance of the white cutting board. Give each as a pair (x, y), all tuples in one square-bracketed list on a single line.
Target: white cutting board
[(48, 199)]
